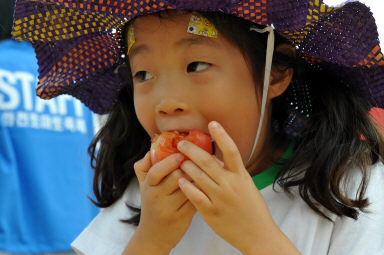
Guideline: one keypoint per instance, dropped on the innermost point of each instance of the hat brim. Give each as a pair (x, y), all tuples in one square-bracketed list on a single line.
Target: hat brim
[(77, 44)]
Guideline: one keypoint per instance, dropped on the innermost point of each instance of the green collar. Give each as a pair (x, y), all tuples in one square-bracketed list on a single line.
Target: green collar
[(268, 176)]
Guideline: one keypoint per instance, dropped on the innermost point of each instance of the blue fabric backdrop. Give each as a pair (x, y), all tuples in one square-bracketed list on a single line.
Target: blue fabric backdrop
[(44, 168)]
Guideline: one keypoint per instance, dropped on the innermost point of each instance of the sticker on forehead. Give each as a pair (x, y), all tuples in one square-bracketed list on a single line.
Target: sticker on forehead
[(200, 25), (131, 38)]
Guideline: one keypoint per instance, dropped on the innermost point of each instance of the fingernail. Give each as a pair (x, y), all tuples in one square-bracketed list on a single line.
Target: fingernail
[(214, 124), (180, 145), (182, 182)]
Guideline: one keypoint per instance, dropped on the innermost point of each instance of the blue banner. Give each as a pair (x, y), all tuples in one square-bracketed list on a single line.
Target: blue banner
[(45, 176)]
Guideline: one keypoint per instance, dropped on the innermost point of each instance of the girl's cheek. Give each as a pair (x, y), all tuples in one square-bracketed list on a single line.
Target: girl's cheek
[(141, 88), (203, 79), (144, 113)]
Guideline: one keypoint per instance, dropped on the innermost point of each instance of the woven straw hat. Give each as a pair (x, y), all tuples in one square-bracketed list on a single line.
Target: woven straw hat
[(77, 45)]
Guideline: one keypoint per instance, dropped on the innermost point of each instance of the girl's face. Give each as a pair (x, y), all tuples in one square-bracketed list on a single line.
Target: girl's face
[(183, 81)]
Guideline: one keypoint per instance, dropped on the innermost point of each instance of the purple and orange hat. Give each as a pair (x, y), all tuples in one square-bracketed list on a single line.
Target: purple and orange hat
[(78, 47)]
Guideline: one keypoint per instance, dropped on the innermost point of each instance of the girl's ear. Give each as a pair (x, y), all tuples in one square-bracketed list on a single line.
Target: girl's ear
[(281, 77)]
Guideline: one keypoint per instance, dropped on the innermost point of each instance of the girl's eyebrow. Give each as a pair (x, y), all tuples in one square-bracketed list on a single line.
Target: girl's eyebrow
[(135, 50)]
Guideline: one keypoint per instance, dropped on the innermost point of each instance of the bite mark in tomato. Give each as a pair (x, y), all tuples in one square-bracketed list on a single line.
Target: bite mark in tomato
[(165, 144)]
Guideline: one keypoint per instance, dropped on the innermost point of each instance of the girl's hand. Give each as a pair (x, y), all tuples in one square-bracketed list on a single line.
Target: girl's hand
[(227, 198), (166, 212)]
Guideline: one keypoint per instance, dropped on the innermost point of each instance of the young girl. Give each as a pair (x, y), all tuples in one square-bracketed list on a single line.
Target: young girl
[(287, 104)]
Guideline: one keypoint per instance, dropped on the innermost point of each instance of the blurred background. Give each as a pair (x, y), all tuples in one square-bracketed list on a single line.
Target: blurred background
[(45, 174), (6, 13)]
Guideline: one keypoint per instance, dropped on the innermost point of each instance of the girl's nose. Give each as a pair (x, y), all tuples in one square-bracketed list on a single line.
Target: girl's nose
[(172, 95), (168, 107)]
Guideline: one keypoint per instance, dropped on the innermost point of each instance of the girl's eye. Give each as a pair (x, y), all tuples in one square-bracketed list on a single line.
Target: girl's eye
[(197, 66), (143, 75)]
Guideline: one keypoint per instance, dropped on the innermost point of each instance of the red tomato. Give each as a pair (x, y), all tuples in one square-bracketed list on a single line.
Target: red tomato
[(165, 144)]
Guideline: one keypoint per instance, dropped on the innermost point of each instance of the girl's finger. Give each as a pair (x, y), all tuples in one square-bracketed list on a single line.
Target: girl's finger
[(163, 168), (170, 183), (187, 209), (231, 154), (205, 161), (178, 199), (141, 167), (200, 178), (199, 200), (221, 163)]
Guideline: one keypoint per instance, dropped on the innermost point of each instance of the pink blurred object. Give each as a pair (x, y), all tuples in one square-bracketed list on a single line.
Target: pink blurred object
[(378, 115)]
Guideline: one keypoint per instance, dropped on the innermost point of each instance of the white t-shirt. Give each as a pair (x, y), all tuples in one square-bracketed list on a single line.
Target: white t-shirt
[(309, 232)]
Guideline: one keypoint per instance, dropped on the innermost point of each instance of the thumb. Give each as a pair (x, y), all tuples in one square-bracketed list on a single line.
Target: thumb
[(141, 167)]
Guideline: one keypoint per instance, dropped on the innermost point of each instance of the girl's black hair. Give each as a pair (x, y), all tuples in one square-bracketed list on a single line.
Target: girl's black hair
[(338, 134)]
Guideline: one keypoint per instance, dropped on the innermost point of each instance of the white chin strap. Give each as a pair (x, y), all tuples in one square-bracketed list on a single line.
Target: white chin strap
[(267, 75)]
